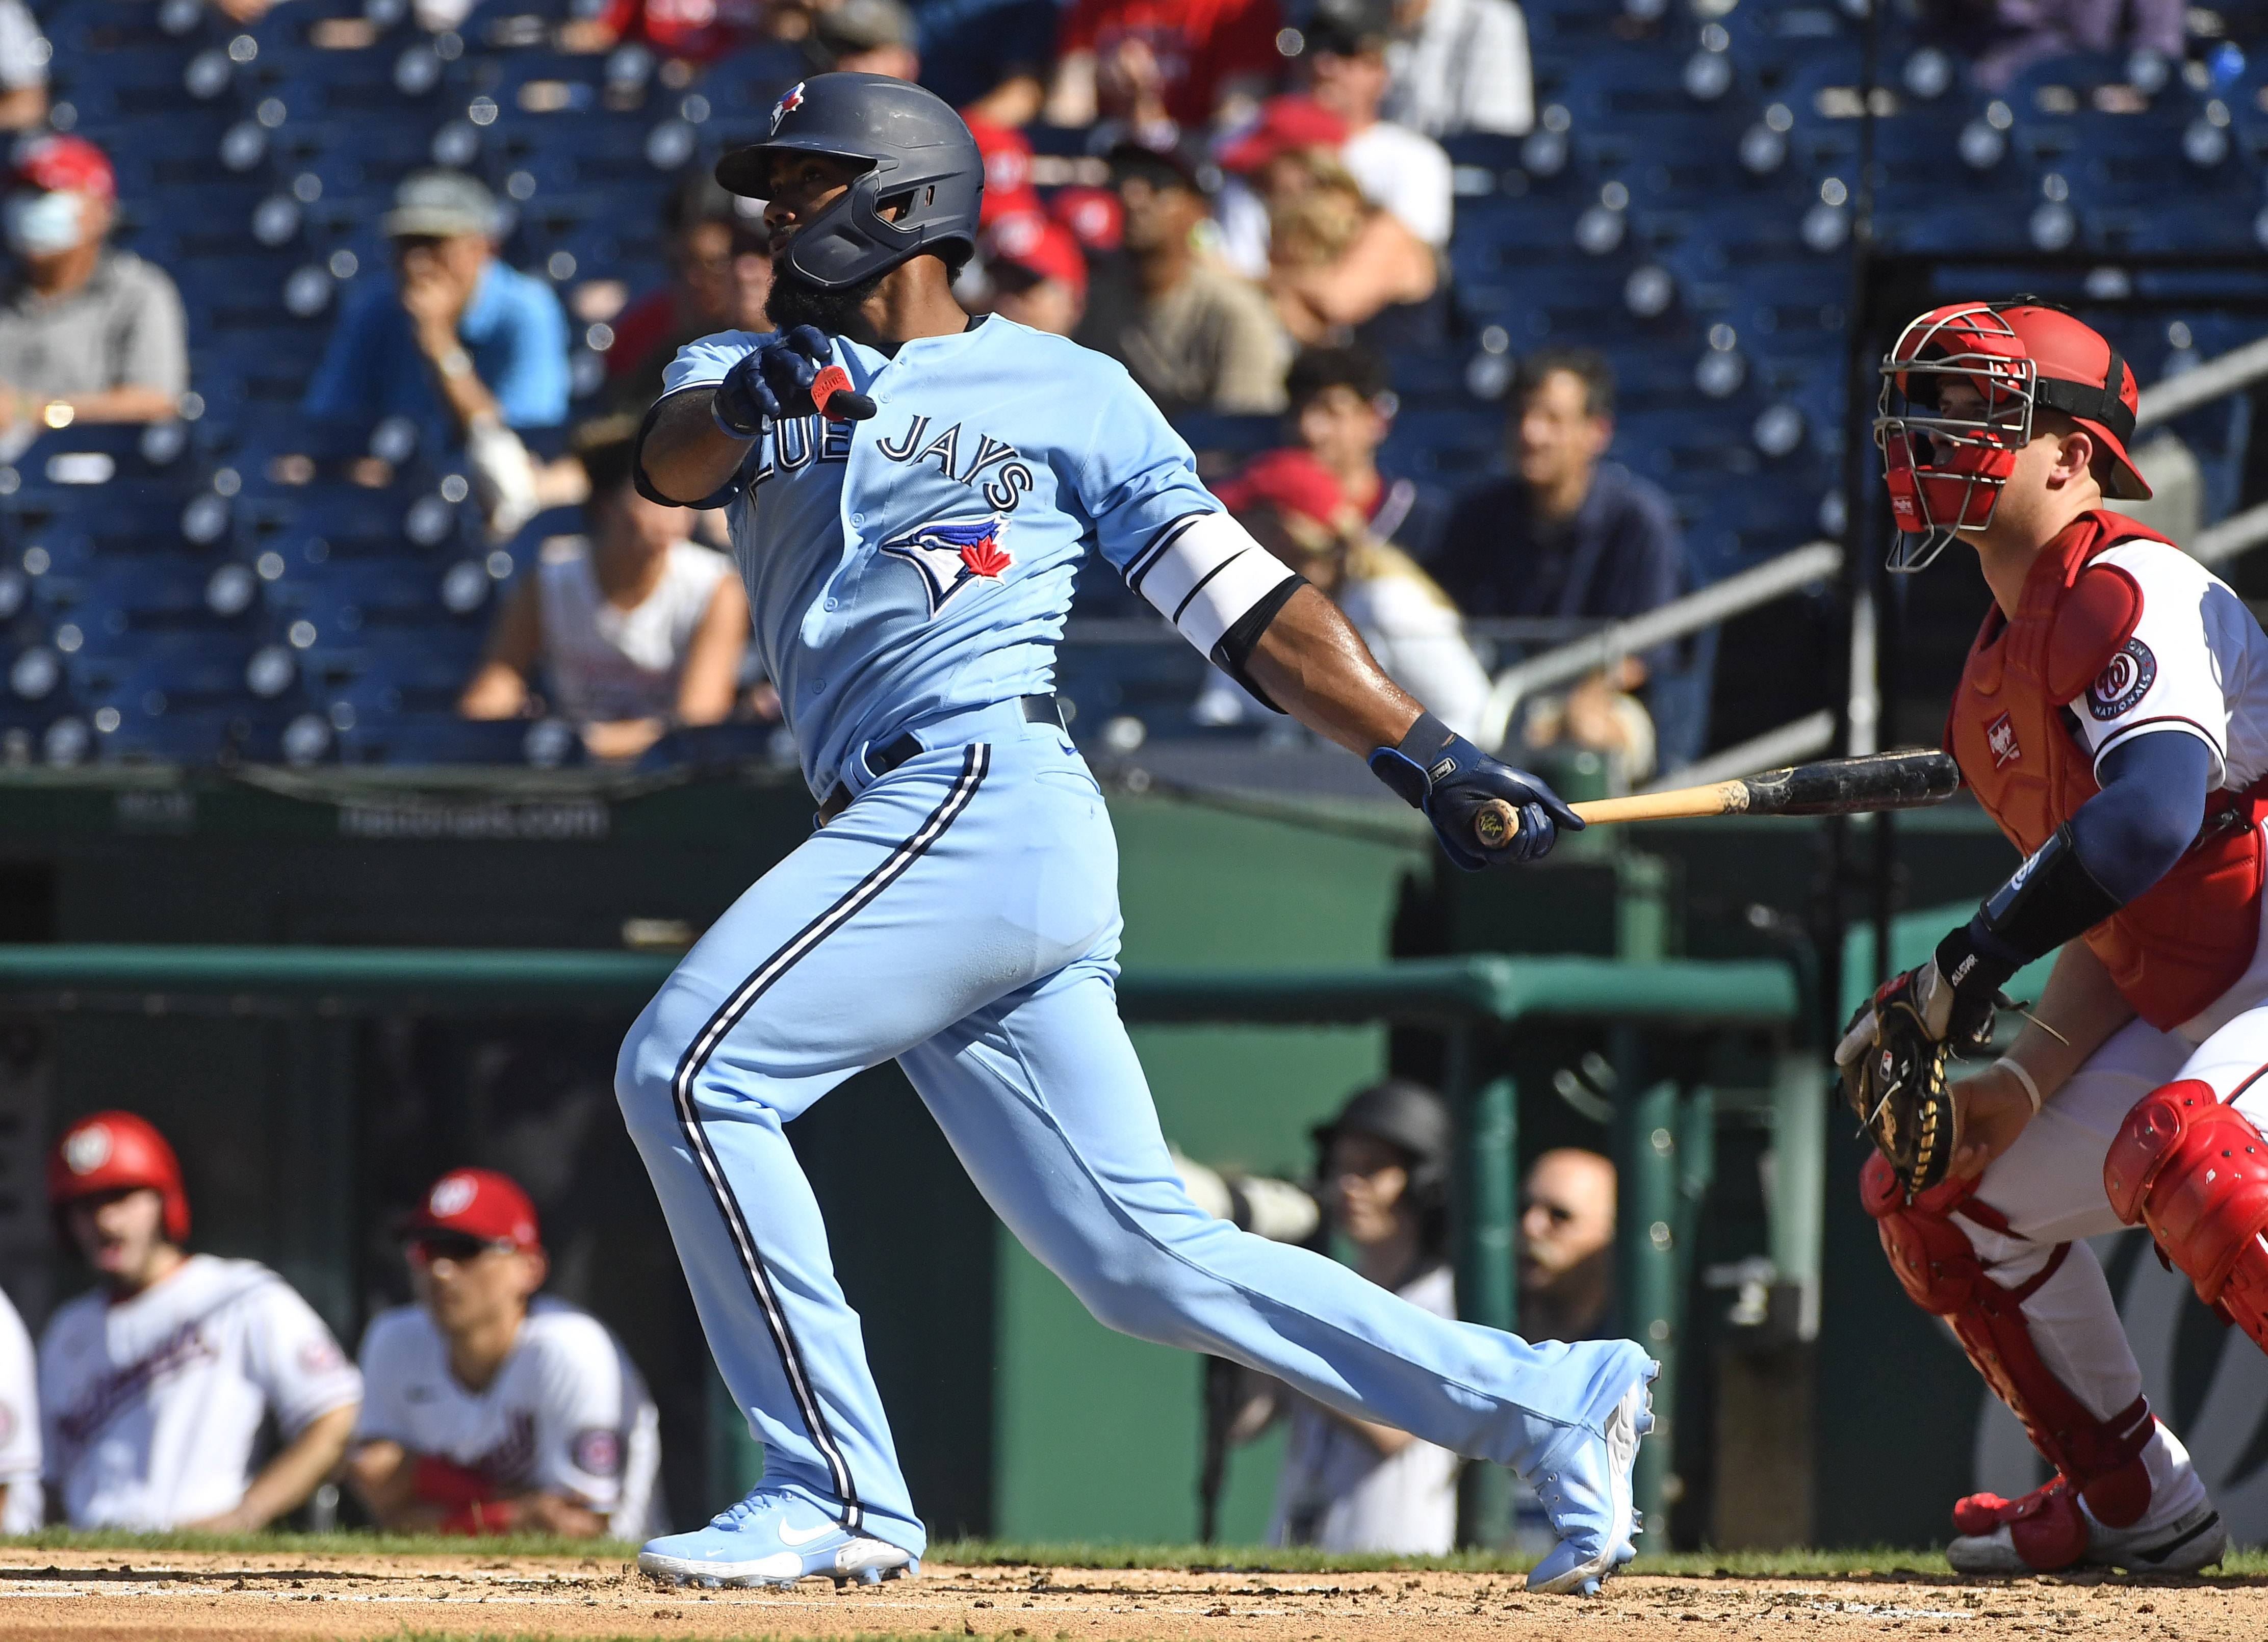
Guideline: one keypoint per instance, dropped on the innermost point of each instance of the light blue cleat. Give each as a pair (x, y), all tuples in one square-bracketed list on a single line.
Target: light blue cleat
[(774, 1537), (1584, 1485)]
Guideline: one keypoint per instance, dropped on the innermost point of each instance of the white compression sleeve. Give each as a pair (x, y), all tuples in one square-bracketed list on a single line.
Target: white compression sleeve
[(1207, 573)]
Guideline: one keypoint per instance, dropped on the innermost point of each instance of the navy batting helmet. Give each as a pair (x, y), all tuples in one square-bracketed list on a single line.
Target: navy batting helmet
[(919, 157)]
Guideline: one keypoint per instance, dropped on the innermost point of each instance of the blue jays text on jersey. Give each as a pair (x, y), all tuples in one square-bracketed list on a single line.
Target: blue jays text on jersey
[(920, 563)]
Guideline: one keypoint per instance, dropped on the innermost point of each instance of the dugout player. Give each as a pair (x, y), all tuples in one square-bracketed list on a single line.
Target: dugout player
[(2112, 718), (1349, 1483), (910, 573), (494, 1409), (22, 1506), (155, 1384)]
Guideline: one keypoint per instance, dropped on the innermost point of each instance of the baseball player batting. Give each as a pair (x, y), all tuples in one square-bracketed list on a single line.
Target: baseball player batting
[(911, 495), (2113, 718)]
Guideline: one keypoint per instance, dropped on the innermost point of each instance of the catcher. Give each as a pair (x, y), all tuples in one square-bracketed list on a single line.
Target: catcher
[(2112, 717)]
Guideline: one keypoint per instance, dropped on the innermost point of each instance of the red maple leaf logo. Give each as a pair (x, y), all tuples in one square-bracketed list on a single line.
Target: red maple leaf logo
[(986, 557)]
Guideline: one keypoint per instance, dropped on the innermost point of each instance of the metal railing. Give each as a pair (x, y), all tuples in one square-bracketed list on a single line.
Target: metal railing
[(1774, 579)]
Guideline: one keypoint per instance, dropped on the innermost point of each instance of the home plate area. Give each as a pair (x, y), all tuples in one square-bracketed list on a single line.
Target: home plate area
[(80, 1595)]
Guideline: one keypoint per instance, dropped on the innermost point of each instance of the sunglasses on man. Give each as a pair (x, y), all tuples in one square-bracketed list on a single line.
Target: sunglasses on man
[(457, 1247)]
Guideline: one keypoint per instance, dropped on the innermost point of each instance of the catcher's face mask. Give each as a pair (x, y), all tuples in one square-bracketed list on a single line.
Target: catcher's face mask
[(1958, 390)]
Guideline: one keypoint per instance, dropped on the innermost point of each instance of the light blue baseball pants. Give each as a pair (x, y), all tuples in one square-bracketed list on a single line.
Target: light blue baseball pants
[(962, 917)]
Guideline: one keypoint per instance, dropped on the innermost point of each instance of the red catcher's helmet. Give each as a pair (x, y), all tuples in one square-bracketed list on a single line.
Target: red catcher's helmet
[(1945, 469), (118, 1151)]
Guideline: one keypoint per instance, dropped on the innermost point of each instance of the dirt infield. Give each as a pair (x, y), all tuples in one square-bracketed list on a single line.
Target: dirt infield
[(78, 1595)]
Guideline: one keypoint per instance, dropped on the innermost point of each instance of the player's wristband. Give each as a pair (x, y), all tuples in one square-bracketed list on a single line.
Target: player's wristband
[(1428, 750), (2031, 1088)]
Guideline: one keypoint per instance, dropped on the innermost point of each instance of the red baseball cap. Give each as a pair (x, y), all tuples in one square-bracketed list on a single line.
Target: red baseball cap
[(1007, 171), (65, 165), (1285, 123), (1095, 216), (1292, 481), (1043, 249), (482, 1203)]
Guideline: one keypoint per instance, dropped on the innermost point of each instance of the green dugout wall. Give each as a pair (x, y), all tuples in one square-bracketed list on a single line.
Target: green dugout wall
[(303, 1132)]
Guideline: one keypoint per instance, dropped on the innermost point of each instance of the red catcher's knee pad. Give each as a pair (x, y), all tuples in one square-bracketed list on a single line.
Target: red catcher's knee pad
[(2196, 1172), (1941, 1271)]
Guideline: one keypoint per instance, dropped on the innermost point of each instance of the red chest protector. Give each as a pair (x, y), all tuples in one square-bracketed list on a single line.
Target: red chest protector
[(2186, 940)]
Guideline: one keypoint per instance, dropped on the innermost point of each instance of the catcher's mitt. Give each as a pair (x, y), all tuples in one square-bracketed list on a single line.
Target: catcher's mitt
[(1893, 1068)]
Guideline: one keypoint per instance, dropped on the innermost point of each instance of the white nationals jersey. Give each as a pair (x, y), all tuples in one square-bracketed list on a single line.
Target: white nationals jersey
[(566, 1414), (19, 1425), (151, 1406), (2197, 662), (1338, 1492)]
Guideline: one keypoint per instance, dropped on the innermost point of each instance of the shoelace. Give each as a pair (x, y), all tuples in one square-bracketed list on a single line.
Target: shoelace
[(747, 1505)]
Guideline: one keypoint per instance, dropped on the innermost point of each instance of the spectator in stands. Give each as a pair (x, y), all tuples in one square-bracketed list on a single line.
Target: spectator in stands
[(457, 341), (865, 37), (1568, 534), (1195, 336), (1459, 65), (155, 1384), (1347, 74), (1292, 505), (1348, 1485), (989, 58), (22, 1503), (495, 1409), (1341, 409), (1038, 273), (2005, 37), (722, 271), (635, 629), (1340, 266), (1160, 69), (695, 31), (88, 333), (24, 53), (1568, 1246)]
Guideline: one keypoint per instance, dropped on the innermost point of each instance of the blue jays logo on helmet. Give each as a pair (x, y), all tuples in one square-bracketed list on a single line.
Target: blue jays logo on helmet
[(952, 552), (792, 101)]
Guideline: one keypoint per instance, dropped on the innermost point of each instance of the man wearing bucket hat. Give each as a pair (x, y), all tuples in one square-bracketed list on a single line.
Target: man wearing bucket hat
[(456, 340)]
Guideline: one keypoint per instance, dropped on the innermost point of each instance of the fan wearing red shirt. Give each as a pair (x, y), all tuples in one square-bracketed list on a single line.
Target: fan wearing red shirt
[(1150, 61)]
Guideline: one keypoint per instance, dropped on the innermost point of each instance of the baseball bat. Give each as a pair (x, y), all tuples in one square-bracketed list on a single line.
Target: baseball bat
[(1833, 786)]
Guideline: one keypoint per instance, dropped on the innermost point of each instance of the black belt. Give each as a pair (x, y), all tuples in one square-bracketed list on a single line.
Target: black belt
[(1036, 709)]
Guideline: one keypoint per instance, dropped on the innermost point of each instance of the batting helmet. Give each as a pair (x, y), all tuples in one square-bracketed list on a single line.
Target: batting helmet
[(117, 1152), (918, 156), (1945, 465), (1406, 1116)]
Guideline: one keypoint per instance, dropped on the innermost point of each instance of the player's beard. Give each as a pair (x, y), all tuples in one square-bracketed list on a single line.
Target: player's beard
[(796, 300)]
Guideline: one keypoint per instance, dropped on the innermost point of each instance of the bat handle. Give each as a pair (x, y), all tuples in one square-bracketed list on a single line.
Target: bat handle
[(831, 387), (1496, 824)]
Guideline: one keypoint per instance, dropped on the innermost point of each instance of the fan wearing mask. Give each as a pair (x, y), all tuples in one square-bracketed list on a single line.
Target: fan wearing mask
[(87, 332)]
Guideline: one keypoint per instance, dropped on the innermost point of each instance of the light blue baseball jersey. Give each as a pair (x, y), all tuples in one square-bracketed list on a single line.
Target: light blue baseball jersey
[(920, 563)]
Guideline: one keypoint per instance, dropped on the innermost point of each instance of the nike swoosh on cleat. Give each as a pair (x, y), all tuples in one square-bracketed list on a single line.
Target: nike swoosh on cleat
[(791, 1536)]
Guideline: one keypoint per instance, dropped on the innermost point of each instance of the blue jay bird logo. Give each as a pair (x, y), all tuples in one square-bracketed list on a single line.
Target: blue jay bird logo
[(786, 106), (952, 552)]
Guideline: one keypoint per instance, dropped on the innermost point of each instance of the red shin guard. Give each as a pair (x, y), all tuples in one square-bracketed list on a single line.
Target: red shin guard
[(2100, 1459), (2196, 1172)]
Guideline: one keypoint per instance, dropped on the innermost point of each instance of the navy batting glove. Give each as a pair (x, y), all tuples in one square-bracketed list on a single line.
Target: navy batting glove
[(1456, 784), (772, 382)]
